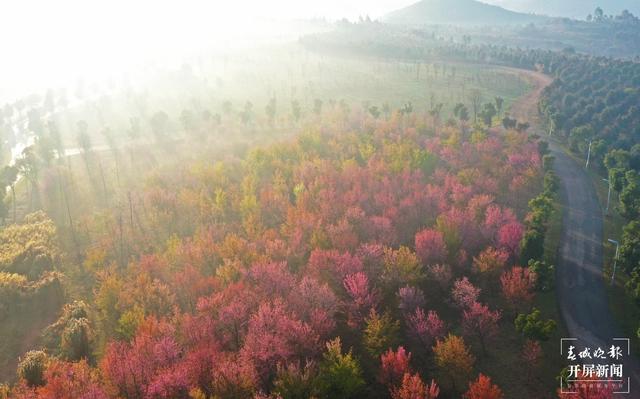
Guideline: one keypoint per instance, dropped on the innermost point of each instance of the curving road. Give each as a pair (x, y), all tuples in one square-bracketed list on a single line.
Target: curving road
[(580, 286)]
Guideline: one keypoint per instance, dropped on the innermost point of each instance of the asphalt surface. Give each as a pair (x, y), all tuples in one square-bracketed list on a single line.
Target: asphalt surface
[(580, 285)]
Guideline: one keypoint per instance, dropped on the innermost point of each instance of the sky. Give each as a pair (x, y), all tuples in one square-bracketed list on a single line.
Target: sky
[(47, 42)]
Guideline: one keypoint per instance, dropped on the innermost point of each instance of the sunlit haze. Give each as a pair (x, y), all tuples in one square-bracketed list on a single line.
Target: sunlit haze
[(51, 43)]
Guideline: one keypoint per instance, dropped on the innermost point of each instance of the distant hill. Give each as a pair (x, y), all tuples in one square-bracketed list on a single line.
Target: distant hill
[(458, 12), (569, 8)]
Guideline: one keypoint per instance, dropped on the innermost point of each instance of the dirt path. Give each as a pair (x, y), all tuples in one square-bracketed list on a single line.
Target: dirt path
[(581, 293)]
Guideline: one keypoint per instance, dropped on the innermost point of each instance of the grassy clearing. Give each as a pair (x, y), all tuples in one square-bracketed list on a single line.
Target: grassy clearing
[(288, 73)]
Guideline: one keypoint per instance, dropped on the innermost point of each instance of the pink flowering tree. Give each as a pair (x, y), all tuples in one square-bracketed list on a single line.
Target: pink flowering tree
[(463, 293), (363, 298), (425, 328), (430, 246), (393, 366), (518, 285), (410, 298), (480, 322)]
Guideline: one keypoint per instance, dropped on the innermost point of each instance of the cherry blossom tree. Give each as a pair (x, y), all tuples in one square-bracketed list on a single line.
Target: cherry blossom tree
[(414, 388), (430, 246), (410, 298), (71, 380), (464, 294), (531, 355), (518, 287), (363, 298), (509, 237), (478, 321), (393, 366), (273, 336), (425, 328), (482, 388)]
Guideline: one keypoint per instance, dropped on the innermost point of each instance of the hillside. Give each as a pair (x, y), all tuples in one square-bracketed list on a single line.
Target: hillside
[(569, 8), (457, 12)]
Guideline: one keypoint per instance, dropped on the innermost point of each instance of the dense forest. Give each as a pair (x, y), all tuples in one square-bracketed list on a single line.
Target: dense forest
[(357, 215), (332, 265), (591, 106)]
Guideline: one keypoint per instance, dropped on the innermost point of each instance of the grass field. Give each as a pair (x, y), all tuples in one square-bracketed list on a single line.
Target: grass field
[(288, 74)]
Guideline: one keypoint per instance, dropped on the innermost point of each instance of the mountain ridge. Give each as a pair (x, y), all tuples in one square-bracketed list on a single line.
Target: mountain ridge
[(568, 8), (458, 12)]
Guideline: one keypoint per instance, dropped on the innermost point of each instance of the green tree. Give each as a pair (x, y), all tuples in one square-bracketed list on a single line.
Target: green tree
[(9, 176), (374, 111), (296, 382), (629, 255), (633, 286), (475, 96), (545, 274), (380, 333), (30, 248), (532, 245), (499, 101), (598, 15), (579, 138), (29, 166), (487, 113), (32, 367), (630, 195), (461, 112), (271, 109), (531, 326), (340, 376), (454, 360), (76, 340)]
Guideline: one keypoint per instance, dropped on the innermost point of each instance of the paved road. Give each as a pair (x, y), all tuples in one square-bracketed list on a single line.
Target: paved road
[(580, 285)]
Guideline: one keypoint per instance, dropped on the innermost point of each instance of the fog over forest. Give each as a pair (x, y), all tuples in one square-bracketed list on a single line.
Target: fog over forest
[(299, 199)]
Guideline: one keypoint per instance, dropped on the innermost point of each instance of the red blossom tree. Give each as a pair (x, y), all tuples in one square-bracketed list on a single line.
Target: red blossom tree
[(425, 328), (410, 299), (130, 368), (332, 267), (315, 304), (518, 286), (274, 337), (430, 246), (482, 388), (478, 321), (271, 279), (363, 298), (393, 367), (414, 388), (234, 377), (463, 293), (71, 380), (230, 309), (531, 355), (509, 237)]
